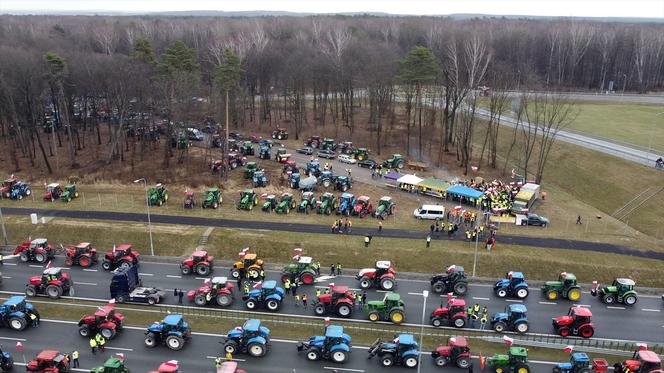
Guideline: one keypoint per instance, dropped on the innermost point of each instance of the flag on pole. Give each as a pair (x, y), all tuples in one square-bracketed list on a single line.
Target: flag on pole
[(508, 341), (171, 363), (451, 268), (450, 296), (19, 346), (396, 340), (114, 249), (327, 321), (296, 258), (330, 285), (642, 346), (49, 265), (568, 349), (258, 285), (120, 355), (111, 301)]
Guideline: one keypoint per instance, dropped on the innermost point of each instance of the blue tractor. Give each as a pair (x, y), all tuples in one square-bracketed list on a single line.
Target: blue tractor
[(313, 168), (514, 318), (172, 331), (266, 294), (579, 362), (346, 203), (259, 179), (6, 361), (326, 178), (403, 350), (334, 345), (19, 190), (294, 180), (15, 313), (251, 338), (265, 152), (514, 286)]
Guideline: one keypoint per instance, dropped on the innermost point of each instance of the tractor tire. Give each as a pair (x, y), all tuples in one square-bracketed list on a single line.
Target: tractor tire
[(374, 316), (124, 265), (24, 257), (120, 299), (106, 265), (344, 310), (107, 333), (410, 362), (459, 322), (630, 300), (440, 361), (84, 331), (255, 200), (574, 294), (150, 340), (319, 309), (293, 205), (585, 370), (463, 362), (251, 304), (328, 211), (499, 327), (437, 322), (40, 258), (230, 347), (200, 300), (53, 291), (339, 356), (307, 278), (521, 368), (186, 270), (174, 342), (256, 349), (563, 331), (521, 328), (501, 293), (344, 188), (522, 293), (253, 274), (160, 203), (397, 316), (387, 283), (31, 291), (272, 305), (84, 261), (461, 288), (203, 270), (400, 165), (17, 323), (609, 299), (387, 360), (365, 283), (438, 287), (215, 205), (224, 300), (76, 195), (313, 354), (587, 332), (552, 295), (235, 273)]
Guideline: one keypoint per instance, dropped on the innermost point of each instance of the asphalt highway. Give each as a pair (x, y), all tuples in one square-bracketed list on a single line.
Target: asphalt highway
[(198, 354), (642, 322)]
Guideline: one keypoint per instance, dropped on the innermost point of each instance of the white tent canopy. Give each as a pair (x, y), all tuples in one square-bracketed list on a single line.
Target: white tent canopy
[(409, 179)]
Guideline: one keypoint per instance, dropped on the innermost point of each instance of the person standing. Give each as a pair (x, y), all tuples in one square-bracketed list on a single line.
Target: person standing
[(338, 269), (578, 220), (229, 356), (367, 241), (175, 292), (294, 286), (246, 288), (470, 316), (317, 268), (317, 292), (350, 226), (287, 285), (101, 342), (428, 241), (380, 226), (485, 317), (332, 270), (180, 295), (217, 363), (431, 228), (74, 359), (296, 300), (305, 298), (35, 320), (93, 346)]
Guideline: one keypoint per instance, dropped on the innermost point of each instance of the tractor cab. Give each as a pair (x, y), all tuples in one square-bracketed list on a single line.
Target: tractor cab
[(168, 367), (515, 278), (111, 365), (107, 313), (309, 196), (70, 192), (189, 199), (362, 204), (280, 134), (578, 362), (250, 260), (6, 187), (567, 279), (361, 153), (518, 355), (53, 191), (458, 346), (347, 147), (212, 195), (405, 343), (579, 316), (260, 178), (48, 360), (516, 312), (313, 168), (385, 204), (393, 300), (456, 352), (49, 275), (286, 197), (200, 256), (623, 285), (383, 267), (643, 361), (334, 334), (250, 329), (39, 243), (329, 144), (249, 170), (122, 251), (264, 152), (342, 183), (455, 306), (174, 322), (340, 291), (220, 282), (270, 202)]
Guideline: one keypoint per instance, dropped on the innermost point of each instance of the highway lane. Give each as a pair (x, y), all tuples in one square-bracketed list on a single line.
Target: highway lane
[(643, 322)]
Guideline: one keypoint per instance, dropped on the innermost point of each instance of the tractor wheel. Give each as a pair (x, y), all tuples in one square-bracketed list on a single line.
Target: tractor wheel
[(84, 331), (328, 211), (253, 274), (499, 370), (563, 331), (293, 204), (436, 322), (200, 300), (463, 362), (251, 304), (107, 333), (251, 207), (215, 205), (387, 283), (272, 305), (150, 340), (40, 257), (609, 299), (165, 197), (256, 349), (438, 287), (374, 316), (365, 283), (522, 293), (459, 322), (410, 362), (313, 354), (397, 316), (30, 290), (106, 265), (24, 257), (393, 210), (17, 323), (120, 299), (521, 328), (587, 332), (344, 310), (319, 309), (174, 342), (230, 347), (326, 183), (461, 288), (344, 188), (76, 194), (499, 327), (440, 361), (235, 273), (387, 360), (307, 278), (53, 291), (224, 300), (360, 157), (552, 295), (203, 269), (124, 265), (630, 300), (400, 165), (339, 356), (574, 294), (84, 261), (186, 270), (521, 368)]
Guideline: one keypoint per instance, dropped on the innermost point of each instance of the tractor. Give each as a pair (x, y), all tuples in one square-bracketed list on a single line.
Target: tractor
[(264, 294), (391, 308), (308, 202), (6, 361), (251, 338), (111, 365), (280, 134), (456, 352), (259, 180), (329, 144), (52, 282), (313, 141), (82, 254), (248, 199), (346, 147), (326, 178), (303, 270), (579, 362), (282, 156), (218, 290), (382, 276), (15, 312), (249, 266), (454, 314), (53, 192), (265, 152), (386, 207), (230, 367), (266, 143), (48, 361), (105, 321), (158, 195), (360, 154), (313, 168), (514, 285), (247, 148), (577, 322), (235, 160), (403, 350), (621, 291), (218, 166), (396, 162), (342, 183), (454, 280), (286, 203), (642, 361), (189, 200), (172, 331), (334, 345), (345, 204), (249, 170), (38, 250), (123, 256), (362, 207), (327, 203), (19, 190), (339, 300), (198, 262), (514, 318), (515, 361), (212, 198), (270, 202), (294, 180), (566, 287), (6, 187), (69, 193)]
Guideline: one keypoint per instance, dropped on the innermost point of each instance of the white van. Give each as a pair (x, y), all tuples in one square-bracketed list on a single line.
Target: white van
[(433, 212)]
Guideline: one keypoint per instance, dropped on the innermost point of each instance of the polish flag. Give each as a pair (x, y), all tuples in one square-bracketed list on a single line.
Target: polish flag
[(296, 258), (568, 349), (450, 296), (508, 341), (113, 249), (642, 346), (298, 251), (19, 346), (49, 265), (245, 250), (396, 340), (120, 355), (451, 268), (111, 301), (258, 285), (330, 285), (171, 363), (327, 321)]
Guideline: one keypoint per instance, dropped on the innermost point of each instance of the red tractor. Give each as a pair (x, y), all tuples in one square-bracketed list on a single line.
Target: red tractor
[(339, 300), (53, 192), (52, 282), (38, 250), (167, 367), (643, 361), (383, 276), (456, 352), (218, 290), (199, 261), (362, 207), (105, 321), (189, 200), (313, 141), (48, 361), (123, 256), (454, 314), (82, 254), (576, 323)]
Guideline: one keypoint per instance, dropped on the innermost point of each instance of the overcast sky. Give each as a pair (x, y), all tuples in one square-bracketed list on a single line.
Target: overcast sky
[(579, 8)]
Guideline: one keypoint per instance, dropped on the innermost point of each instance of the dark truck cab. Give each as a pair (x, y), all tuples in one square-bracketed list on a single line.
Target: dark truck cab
[(126, 286)]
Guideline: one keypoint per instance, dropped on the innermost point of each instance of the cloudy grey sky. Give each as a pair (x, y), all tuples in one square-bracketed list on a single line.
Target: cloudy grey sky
[(579, 8)]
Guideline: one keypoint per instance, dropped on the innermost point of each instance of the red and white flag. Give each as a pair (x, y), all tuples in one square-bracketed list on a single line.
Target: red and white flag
[(568, 349), (642, 346), (258, 285), (298, 251), (19, 346), (111, 301), (172, 363), (450, 296), (330, 285), (49, 265), (508, 341), (120, 355), (113, 249), (327, 321), (296, 258), (451, 268), (396, 340)]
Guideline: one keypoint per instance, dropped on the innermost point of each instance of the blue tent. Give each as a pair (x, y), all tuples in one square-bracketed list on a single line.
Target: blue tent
[(464, 191), (393, 175)]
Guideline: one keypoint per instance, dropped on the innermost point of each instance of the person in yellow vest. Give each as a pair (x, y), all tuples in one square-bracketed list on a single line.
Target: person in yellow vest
[(245, 288), (317, 292), (229, 356), (101, 341), (93, 345), (217, 362), (34, 319), (74, 359)]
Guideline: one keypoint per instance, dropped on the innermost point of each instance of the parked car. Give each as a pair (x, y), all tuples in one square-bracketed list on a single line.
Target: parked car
[(433, 212), (305, 150), (324, 153), (367, 163), (194, 134), (537, 220), (345, 158)]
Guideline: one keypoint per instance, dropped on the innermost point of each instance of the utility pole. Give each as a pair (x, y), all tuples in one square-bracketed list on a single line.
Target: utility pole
[(225, 156)]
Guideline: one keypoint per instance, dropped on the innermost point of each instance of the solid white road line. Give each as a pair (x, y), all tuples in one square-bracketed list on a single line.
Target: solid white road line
[(514, 300), (145, 274), (118, 348), (202, 278), (90, 270), (85, 283), (173, 276), (14, 339), (9, 264), (7, 277), (615, 308), (345, 369), (71, 369), (214, 357), (35, 266), (547, 302)]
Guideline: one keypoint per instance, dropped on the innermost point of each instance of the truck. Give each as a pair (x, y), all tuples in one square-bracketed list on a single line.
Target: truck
[(524, 200), (127, 286)]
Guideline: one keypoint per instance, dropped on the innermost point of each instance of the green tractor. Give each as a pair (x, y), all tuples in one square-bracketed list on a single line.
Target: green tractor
[(328, 202), (621, 291), (247, 148), (360, 153), (396, 162), (69, 193), (329, 144), (248, 199), (386, 207), (516, 361), (286, 203), (112, 365), (249, 170), (270, 202), (308, 202), (211, 198), (157, 195), (303, 270), (566, 287), (391, 308)]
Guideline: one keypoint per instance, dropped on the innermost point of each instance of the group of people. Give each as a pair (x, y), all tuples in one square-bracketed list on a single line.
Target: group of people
[(478, 314), (378, 171), (97, 343), (341, 226)]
